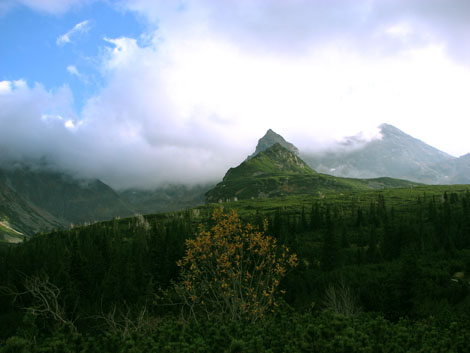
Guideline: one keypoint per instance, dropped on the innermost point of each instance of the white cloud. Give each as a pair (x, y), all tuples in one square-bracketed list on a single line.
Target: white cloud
[(291, 27), (188, 108), (79, 28), (31, 123), (72, 69), (8, 86), (5, 87)]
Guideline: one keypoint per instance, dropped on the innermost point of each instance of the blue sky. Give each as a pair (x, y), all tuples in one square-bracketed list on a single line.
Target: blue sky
[(31, 51), (141, 93)]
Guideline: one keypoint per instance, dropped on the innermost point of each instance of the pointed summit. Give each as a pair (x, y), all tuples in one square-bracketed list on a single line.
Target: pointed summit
[(275, 171), (270, 139), (276, 159)]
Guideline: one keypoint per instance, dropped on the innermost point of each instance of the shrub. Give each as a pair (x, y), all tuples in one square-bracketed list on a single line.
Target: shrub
[(233, 270)]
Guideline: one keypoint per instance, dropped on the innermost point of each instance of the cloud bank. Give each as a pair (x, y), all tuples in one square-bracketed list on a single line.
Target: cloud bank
[(191, 96)]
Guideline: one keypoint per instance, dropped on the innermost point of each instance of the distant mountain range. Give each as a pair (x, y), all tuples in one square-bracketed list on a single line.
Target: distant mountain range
[(395, 155), (35, 199)]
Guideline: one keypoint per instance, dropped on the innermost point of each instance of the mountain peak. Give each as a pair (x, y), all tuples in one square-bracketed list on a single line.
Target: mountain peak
[(271, 138), (274, 159), (274, 171)]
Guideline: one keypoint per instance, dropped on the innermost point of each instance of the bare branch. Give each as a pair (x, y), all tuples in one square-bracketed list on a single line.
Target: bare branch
[(45, 298)]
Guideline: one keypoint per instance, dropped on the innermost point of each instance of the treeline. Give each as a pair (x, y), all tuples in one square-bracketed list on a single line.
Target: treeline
[(406, 264)]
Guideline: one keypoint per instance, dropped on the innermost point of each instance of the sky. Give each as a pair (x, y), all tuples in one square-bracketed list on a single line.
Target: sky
[(142, 93)]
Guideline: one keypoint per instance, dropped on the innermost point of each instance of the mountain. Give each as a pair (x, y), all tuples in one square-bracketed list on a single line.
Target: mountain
[(37, 199), (396, 155), (68, 199), (34, 199), (270, 139), (277, 171)]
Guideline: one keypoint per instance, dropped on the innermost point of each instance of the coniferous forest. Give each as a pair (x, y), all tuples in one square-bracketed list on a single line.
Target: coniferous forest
[(375, 271)]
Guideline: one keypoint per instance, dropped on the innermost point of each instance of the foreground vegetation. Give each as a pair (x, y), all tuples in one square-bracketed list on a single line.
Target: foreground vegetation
[(378, 271)]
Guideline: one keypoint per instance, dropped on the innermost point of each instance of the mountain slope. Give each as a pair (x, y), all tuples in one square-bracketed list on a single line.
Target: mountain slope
[(396, 155), (19, 217), (66, 198), (278, 172)]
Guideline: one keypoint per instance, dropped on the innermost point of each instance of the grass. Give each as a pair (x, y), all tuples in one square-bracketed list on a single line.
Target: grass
[(400, 199)]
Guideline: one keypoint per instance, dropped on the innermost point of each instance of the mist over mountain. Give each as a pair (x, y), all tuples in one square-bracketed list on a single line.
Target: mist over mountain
[(40, 199)]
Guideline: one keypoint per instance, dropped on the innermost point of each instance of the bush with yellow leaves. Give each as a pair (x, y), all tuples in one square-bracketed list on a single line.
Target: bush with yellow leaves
[(232, 271)]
